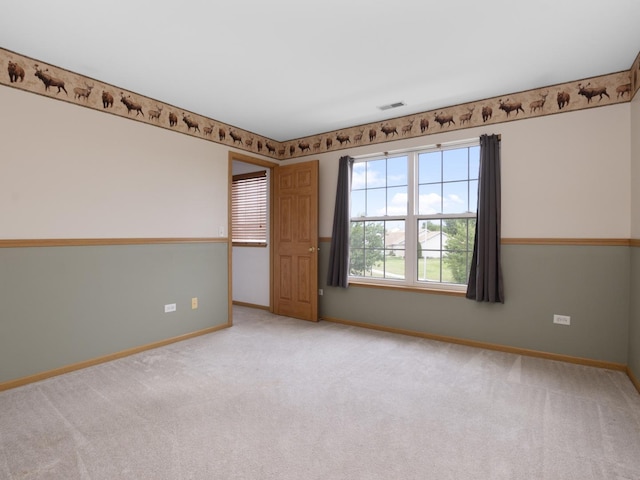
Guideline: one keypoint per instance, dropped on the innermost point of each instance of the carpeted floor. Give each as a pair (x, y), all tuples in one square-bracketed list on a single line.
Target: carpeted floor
[(277, 398)]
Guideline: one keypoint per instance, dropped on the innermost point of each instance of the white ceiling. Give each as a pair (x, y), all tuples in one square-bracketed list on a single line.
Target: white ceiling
[(292, 68)]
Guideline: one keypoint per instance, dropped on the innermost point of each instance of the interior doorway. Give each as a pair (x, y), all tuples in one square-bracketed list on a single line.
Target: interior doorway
[(250, 265), (281, 275)]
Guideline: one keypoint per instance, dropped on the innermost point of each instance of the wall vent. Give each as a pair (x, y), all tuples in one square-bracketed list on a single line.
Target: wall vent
[(392, 105)]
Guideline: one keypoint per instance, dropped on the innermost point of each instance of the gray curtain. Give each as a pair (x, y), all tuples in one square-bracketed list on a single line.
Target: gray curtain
[(485, 277), (338, 275)]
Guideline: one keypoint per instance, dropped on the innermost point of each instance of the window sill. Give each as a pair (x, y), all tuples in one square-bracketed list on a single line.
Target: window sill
[(249, 244), (453, 292)]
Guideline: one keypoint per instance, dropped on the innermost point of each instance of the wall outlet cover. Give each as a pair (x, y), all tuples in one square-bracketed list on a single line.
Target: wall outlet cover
[(562, 319)]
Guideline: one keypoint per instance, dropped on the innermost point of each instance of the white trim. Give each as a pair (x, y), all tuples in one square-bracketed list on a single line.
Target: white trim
[(418, 285), (467, 142)]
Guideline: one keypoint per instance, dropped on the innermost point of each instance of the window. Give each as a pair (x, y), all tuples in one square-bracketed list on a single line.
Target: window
[(413, 216), (249, 209)]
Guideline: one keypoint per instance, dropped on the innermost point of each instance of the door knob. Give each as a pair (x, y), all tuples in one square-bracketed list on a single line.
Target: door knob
[(312, 249)]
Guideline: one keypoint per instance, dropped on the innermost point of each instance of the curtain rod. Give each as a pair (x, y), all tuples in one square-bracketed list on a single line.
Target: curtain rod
[(388, 153)]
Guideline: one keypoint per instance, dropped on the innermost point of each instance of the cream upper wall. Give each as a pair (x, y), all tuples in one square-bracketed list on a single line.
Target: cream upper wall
[(70, 172), (568, 175), (635, 167), (563, 176)]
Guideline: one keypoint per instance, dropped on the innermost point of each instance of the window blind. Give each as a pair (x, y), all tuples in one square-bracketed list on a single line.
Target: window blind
[(249, 208)]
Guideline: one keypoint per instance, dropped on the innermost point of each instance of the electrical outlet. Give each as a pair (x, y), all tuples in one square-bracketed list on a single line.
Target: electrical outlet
[(194, 303), (170, 307), (320, 292), (562, 319)]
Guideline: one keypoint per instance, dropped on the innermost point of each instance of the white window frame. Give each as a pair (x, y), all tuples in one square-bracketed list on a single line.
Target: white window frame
[(412, 219)]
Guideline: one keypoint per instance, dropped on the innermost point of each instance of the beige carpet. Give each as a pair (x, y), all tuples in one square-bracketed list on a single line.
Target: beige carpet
[(277, 398)]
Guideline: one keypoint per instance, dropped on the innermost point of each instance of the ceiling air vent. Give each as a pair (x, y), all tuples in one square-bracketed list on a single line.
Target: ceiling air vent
[(392, 105)]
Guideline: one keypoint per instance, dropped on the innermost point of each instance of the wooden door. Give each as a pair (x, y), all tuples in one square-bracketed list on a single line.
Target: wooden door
[(295, 245)]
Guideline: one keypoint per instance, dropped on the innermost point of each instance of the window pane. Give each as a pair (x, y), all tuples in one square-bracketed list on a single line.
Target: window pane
[(394, 242), (362, 237), (394, 264), (430, 243), (430, 199), (456, 197), (457, 266), (397, 201), (359, 176), (430, 167), (447, 275), (455, 228), (396, 171), (374, 245), (358, 203), (474, 162), (376, 202), (374, 235), (356, 262), (376, 173), (455, 164), (429, 225), (473, 196), (375, 258), (378, 249), (430, 238), (394, 226), (429, 269), (394, 236), (356, 237), (458, 249), (377, 269)]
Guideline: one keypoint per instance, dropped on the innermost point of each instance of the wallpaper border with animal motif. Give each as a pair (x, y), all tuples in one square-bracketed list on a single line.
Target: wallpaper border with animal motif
[(38, 77), (44, 79), (566, 97)]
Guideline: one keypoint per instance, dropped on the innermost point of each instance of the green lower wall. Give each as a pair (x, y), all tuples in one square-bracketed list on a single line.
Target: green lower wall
[(634, 317), (64, 305), (589, 283)]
